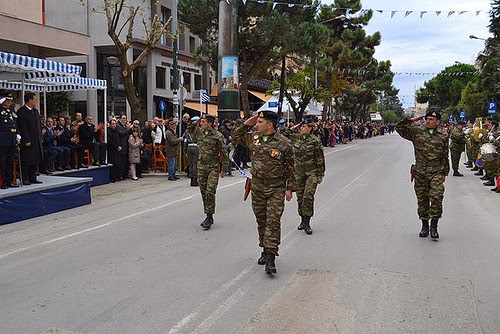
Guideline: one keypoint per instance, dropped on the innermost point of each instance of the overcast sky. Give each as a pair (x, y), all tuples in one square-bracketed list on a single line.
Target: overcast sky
[(427, 44)]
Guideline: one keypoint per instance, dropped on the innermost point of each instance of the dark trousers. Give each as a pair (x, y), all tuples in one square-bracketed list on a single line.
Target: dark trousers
[(98, 151), (124, 166), (7, 155)]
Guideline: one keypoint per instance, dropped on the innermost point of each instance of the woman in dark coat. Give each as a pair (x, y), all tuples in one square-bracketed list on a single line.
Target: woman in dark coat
[(114, 150)]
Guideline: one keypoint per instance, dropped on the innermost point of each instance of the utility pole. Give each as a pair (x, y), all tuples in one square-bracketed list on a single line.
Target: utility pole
[(175, 66), (228, 74)]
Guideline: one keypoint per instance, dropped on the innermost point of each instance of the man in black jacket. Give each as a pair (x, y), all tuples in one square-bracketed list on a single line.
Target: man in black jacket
[(29, 126), (89, 138), (67, 138)]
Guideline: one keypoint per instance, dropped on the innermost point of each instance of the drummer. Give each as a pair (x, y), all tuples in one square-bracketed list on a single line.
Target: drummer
[(492, 159)]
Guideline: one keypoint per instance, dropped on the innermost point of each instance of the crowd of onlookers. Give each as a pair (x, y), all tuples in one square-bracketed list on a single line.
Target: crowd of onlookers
[(332, 133), (129, 146)]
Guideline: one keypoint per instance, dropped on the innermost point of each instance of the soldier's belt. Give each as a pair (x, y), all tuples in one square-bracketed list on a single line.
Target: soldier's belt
[(193, 145), (434, 163), (267, 180)]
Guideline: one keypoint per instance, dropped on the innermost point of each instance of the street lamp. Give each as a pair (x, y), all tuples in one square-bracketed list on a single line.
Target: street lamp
[(340, 17), (112, 62), (475, 37)]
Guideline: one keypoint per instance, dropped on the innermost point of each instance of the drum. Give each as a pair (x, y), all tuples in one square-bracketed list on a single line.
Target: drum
[(488, 152)]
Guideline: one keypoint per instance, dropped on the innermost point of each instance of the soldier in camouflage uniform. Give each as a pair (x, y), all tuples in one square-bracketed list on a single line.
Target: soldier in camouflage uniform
[(457, 146), (431, 167), (491, 167), (309, 168), (212, 161), (476, 143), (272, 179), (192, 152)]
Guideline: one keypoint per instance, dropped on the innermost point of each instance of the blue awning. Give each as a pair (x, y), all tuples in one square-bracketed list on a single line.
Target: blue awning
[(35, 67)]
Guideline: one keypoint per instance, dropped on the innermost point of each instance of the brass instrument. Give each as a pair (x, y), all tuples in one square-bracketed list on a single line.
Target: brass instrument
[(478, 133)]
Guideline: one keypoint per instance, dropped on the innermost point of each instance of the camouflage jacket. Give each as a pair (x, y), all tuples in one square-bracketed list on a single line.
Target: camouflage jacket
[(308, 153), (458, 139), (211, 145), (272, 160), (431, 149)]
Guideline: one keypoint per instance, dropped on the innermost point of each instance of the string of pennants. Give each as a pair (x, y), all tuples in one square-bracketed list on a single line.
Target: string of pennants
[(363, 11), (363, 72)]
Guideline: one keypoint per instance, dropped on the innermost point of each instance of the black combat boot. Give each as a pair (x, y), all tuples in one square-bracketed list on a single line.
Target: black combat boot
[(425, 229), (457, 173), (307, 226), (479, 173), (263, 258), (208, 221), (490, 182), (301, 225), (474, 169), (270, 266), (434, 228), (468, 164), (485, 177)]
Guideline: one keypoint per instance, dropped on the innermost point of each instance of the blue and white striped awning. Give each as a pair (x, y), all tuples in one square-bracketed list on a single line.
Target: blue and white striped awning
[(35, 67), (56, 84)]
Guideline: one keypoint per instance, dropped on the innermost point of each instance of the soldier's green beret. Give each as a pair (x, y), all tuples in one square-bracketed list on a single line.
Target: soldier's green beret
[(269, 115), (209, 118), (436, 114), (307, 120)]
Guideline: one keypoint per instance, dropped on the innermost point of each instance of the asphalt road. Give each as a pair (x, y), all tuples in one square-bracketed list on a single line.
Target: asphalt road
[(137, 261)]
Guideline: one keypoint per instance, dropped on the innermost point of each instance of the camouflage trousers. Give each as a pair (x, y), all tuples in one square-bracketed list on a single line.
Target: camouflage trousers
[(474, 151), (306, 188), (208, 178), (492, 168), (192, 153), (455, 158), (268, 204), (429, 188)]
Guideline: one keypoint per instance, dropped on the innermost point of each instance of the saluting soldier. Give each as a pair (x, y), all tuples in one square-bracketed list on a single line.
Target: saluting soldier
[(457, 146), (212, 161), (8, 134), (309, 168), (273, 179), (430, 145), (192, 152)]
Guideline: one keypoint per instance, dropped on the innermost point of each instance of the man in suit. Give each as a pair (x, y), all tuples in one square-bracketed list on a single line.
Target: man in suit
[(29, 126), (89, 135), (8, 133)]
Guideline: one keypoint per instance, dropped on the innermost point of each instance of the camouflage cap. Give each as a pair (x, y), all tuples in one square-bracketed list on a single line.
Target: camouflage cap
[(436, 114)]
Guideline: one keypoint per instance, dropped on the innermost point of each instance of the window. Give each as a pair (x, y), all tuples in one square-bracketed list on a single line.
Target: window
[(192, 44), (165, 15), (187, 80), (197, 82), (182, 38), (171, 79), (160, 77)]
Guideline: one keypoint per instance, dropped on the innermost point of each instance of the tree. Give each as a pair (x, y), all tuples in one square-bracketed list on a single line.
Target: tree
[(58, 103), (266, 32), (490, 58), (472, 101), (121, 18), (445, 90)]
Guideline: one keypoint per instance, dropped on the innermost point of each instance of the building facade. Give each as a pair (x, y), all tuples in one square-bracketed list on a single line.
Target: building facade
[(153, 79)]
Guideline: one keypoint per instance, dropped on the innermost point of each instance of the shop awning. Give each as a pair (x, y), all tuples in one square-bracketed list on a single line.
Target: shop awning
[(261, 96), (36, 67), (212, 108), (215, 91)]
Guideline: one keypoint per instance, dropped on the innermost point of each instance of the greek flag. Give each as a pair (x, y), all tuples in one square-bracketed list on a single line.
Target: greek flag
[(204, 97)]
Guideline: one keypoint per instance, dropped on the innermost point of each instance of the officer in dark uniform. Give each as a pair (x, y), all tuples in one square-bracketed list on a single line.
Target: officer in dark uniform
[(8, 133)]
